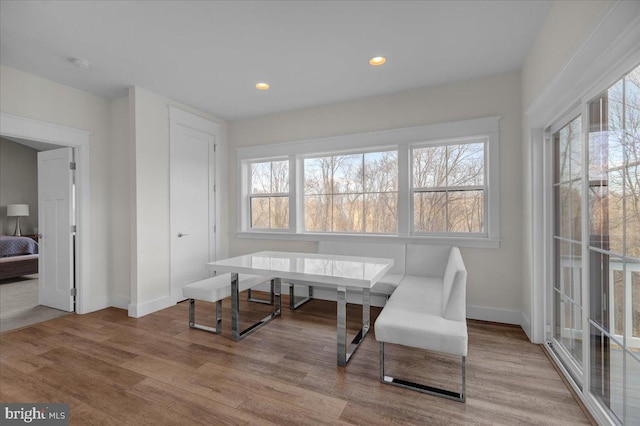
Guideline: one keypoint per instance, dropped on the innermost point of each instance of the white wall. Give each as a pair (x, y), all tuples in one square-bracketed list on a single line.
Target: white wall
[(567, 25), (33, 97), (18, 185), (119, 192), (494, 291), (150, 277)]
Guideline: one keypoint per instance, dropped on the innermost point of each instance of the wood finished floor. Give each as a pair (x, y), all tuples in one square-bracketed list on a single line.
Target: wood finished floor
[(113, 369)]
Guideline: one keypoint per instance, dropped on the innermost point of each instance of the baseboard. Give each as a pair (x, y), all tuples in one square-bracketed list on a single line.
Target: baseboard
[(482, 313), (98, 305), (119, 302), (146, 308), (504, 316), (525, 323)]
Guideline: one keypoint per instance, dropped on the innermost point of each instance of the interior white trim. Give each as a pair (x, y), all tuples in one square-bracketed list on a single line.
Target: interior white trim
[(179, 117), (611, 48), (193, 121), (402, 140), (484, 313), (598, 413), (525, 324), (142, 309), (481, 313), (613, 40), (27, 128), (469, 242), (406, 135), (119, 302)]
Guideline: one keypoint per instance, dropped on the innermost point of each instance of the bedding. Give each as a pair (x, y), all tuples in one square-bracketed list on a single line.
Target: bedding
[(17, 246)]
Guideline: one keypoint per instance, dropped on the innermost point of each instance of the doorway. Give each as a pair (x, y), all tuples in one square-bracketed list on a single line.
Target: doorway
[(192, 198), (16, 127), (32, 268)]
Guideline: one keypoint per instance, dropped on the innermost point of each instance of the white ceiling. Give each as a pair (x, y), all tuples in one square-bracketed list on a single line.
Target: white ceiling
[(210, 54)]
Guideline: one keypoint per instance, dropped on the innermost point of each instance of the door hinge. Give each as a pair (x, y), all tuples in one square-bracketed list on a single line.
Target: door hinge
[(72, 165), (73, 229), (214, 228), (215, 147), (74, 292), (214, 188)]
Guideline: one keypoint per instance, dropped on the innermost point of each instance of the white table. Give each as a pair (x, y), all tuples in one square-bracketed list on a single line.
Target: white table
[(340, 272)]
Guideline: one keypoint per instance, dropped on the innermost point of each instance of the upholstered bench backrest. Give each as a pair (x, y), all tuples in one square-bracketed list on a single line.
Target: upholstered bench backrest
[(427, 260), (454, 287), (389, 251)]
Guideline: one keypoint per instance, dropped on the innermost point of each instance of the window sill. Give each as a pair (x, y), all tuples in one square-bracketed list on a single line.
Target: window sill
[(470, 242)]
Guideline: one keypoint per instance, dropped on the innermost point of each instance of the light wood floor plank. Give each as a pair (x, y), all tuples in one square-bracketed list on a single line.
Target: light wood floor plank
[(113, 369)]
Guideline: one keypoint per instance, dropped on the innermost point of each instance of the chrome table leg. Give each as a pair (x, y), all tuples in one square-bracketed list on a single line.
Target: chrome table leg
[(342, 326), (293, 304), (235, 307), (276, 285), (345, 354)]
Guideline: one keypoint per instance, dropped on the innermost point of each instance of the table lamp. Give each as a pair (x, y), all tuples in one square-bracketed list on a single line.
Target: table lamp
[(17, 210)]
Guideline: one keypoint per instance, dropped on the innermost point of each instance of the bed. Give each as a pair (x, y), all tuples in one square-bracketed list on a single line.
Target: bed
[(18, 256)]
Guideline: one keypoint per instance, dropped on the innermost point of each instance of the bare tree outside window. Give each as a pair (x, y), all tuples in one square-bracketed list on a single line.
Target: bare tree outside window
[(269, 195), (448, 186), (614, 195), (354, 193)]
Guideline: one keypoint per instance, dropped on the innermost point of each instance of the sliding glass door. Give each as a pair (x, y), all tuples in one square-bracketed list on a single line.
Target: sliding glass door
[(595, 309), (567, 239), (614, 247)]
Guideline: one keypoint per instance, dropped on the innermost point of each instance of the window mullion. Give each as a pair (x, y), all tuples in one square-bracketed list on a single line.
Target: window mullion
[(405, 193)]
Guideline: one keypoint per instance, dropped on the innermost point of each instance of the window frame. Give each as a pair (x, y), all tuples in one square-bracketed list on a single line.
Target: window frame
[(335, 154), (485, 187), (403, 139), (268, 195)]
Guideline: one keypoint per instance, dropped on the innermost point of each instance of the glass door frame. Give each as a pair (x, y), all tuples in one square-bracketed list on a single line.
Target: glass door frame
[(578, 373), (581, 382)]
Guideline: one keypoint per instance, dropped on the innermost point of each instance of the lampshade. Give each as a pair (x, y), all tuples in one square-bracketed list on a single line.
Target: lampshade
[(18, 210)]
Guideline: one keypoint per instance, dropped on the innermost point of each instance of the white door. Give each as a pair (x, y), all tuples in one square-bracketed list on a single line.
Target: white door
[(192, 206), (55, 218)]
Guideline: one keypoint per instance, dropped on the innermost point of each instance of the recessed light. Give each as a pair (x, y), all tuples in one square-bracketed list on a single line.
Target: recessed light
[(80, 63), (377, 61), (262, 86)]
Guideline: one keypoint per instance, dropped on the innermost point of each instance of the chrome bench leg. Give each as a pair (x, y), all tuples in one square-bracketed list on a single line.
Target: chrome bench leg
[(293, 304), (460, 397), (250, 298), (192, 318)]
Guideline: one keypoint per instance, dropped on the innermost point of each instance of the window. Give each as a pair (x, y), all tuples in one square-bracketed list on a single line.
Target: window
[(448, 188), (269, 195), (427, 182), (353, 193)]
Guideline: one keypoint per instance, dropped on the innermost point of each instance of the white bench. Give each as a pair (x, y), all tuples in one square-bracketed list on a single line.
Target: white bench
[(215, 289), (427, 311), (426, 306)]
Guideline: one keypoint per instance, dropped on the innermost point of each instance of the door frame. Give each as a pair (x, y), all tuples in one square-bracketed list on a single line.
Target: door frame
[(180, 118), (40, 131)]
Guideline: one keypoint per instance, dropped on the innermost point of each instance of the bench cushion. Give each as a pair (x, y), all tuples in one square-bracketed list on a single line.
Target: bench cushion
[(387, 284), (219, 287), (413, 317)]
